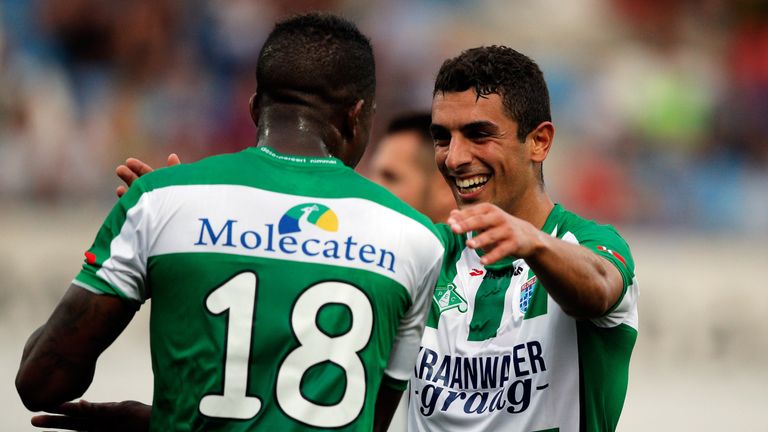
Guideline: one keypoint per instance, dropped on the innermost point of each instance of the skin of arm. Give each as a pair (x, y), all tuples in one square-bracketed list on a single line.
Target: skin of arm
[(386, 405), (59, 359), (583, 283)]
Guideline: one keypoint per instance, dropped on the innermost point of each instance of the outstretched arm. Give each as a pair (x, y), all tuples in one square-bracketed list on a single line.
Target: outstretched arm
[(583, 283), (60, 357)]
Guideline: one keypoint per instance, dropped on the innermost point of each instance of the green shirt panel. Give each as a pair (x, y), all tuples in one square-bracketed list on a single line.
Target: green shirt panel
[(189, 342)]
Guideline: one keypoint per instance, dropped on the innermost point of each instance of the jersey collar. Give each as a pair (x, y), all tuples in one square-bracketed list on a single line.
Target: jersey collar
[(296, 160)]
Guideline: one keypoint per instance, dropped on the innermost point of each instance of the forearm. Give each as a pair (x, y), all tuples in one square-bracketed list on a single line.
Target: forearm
[(584, 284), (386, 405), (60, 357), (46, 378)]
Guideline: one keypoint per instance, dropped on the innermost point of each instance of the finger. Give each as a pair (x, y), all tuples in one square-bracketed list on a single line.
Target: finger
[(68, 408), (496, 252), (472, 210), (487, 239), (138, 167), (475, 221), (173, 159), (81, 408), (126, 174), (61, 422), (120, 191)]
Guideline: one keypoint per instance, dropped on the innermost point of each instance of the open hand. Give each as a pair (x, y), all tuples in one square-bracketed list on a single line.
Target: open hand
[(126, 416), (499, 234), (134, 168)]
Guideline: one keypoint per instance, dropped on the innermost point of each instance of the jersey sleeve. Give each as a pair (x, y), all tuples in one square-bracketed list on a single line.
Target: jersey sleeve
[(606, 242), (116, 262), (410, 330)]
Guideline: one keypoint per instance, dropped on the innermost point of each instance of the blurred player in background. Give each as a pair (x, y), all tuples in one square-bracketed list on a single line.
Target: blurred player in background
[(534, 316), (404, 163), (283, 294)]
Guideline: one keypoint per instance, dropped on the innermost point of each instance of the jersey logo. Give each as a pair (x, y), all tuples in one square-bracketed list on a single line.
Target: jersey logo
[(90, 257), (304, 216), (448, 297), (526, 294), (476, 272)]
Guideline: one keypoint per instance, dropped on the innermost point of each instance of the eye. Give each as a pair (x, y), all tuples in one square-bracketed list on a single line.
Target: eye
[(441, 138), (389, 177), (478, 136), (440, 135)]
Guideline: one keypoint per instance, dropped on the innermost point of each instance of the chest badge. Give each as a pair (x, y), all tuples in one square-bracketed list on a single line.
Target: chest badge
[(526, 293), (448, 297)]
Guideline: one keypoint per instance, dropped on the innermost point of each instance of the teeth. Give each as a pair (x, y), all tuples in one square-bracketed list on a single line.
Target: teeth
[(471, 181)]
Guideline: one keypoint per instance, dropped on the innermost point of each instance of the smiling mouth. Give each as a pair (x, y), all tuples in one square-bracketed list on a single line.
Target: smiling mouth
[(472, 184)]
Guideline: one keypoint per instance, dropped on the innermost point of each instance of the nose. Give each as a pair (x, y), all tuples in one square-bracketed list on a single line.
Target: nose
[(459, 154)]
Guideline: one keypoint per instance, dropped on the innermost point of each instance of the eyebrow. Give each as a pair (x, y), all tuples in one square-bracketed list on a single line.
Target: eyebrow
[(436, 128), (479, 126)]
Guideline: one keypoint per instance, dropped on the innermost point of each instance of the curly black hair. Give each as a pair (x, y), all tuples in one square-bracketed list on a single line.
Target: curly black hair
[(503, 71), (319, 54)]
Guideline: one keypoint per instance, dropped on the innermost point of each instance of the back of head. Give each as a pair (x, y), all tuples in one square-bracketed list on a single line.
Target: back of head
[(503, 71), (319, 55)]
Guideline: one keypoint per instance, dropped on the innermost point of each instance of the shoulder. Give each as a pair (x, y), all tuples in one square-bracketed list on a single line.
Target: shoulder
[(212, 169), (603, 239), (582, 228), (366, 189)]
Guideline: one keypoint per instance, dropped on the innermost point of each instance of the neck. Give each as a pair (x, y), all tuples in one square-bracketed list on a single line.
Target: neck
[(535, 207), (298, 130)]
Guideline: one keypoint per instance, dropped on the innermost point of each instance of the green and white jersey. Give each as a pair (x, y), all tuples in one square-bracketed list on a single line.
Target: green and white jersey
[(499, 354), (285, 290)]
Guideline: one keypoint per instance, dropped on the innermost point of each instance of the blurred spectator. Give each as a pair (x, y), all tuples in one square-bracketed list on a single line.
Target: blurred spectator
[(663, 103), (404, 163)]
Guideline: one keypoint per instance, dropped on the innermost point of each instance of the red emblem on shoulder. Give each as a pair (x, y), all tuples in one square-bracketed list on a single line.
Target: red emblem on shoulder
[(90, 258), (616, 254)]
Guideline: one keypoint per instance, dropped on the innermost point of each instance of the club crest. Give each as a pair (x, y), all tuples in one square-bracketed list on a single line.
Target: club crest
[(448, 297), (526, 293)]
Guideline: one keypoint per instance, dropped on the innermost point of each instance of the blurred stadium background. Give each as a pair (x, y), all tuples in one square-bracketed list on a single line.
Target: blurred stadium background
[(661, 109)]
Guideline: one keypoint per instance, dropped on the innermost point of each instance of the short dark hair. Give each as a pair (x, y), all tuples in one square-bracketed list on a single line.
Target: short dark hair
[(417, 122), (503, 71), (319, 54)]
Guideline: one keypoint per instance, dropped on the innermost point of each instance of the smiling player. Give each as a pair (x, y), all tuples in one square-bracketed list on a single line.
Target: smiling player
[(534, 316)]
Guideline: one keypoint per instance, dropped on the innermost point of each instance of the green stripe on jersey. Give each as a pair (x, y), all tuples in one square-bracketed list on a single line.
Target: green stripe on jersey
[(604, 364), (489, 304)]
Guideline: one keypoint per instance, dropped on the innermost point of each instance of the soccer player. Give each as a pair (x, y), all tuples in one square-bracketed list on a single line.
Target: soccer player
[(534, 315), (404, 163), (288, 292)]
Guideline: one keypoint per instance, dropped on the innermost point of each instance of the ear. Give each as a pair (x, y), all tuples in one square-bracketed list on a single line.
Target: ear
[(253, 107), (354, 117), (540, 141)]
